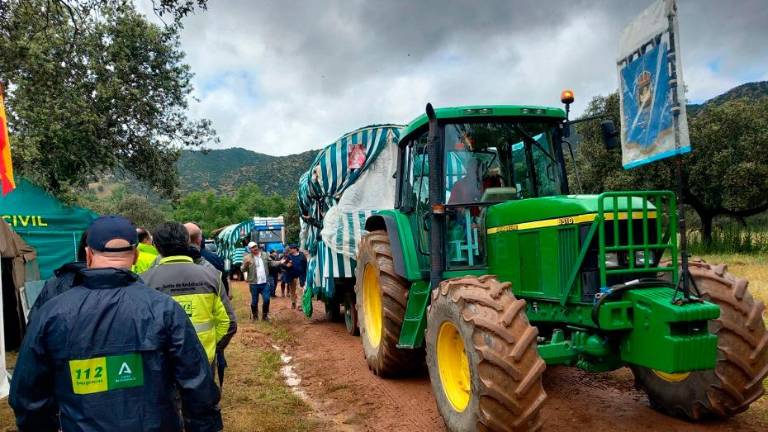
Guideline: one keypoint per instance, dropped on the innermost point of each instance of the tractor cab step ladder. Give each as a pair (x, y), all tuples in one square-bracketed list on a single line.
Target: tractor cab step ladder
[(415, 321)]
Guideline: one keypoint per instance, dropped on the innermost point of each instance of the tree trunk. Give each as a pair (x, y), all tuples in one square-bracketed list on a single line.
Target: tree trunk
[(706, 227)]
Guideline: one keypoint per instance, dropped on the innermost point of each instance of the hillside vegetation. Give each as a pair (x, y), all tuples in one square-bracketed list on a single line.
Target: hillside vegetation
[(753, 90), (226, 170)]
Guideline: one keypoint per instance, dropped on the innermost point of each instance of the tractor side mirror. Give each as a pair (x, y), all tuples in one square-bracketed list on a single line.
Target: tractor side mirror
[(610, 136)]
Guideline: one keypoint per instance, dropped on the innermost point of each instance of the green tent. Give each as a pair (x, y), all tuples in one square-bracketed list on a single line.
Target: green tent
[(46, 224)]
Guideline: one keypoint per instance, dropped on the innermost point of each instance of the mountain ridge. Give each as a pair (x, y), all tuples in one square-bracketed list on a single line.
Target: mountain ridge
[(753, 90), (225, 170)]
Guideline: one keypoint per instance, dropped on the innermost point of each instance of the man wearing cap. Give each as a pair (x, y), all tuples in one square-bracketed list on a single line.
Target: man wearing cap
[(196, 288), (257, 264), (111, 353)]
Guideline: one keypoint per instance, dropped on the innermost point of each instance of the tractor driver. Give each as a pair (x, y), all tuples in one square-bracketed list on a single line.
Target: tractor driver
[(469, 189)]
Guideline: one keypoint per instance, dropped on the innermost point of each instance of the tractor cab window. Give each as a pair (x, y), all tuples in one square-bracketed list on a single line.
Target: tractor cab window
[(488, 163), (538, 175), (414, 187)]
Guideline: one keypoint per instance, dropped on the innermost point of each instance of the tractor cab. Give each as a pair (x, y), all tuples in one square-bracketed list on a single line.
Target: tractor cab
[(487, 156)]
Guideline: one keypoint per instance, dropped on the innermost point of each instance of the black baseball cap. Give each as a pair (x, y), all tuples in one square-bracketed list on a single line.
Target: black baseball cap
[(108, 228)]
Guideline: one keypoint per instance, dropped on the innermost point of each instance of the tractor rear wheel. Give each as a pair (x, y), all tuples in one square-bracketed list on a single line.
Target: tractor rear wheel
[(381, 297), (742, 360), (483, 361), (350, 314)]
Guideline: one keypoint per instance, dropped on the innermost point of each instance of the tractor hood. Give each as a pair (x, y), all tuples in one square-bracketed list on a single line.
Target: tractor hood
[(535, 209)]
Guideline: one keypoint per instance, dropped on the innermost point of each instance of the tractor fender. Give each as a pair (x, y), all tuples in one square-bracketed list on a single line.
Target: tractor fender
[(397, 227)]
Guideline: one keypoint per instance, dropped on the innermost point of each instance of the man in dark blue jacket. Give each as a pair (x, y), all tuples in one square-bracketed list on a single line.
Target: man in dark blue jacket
[(111, 353), (295, 266)]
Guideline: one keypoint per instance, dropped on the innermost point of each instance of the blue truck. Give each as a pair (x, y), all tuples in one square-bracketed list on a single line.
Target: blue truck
[(269, 232)]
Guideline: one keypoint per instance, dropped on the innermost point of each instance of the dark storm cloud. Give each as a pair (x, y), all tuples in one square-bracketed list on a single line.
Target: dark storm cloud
[(324, 67), (340, 42), (344, 41)]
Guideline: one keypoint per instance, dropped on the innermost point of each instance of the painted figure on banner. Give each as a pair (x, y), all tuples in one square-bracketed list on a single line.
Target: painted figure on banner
[(651, 86), (647, 115)]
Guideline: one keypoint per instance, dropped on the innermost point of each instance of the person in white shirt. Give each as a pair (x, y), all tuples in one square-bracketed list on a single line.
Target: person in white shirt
[(257, 263)]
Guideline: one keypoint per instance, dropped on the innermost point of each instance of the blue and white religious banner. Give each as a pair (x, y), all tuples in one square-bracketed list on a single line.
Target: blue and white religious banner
[(654, 125)]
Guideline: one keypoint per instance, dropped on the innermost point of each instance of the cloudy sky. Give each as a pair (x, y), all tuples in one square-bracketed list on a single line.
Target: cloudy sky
[(282, 76)]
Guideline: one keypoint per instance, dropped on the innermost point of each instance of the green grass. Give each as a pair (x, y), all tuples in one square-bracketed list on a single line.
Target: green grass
[(729, 236), (753, 267), (729, 241), (255, 397), (275, 331)]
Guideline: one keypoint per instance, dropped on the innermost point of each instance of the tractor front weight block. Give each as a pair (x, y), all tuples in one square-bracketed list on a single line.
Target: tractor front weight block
[(669, 337)]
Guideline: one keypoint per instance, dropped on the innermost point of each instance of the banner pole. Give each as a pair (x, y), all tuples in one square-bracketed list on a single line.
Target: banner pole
[(672, 57)]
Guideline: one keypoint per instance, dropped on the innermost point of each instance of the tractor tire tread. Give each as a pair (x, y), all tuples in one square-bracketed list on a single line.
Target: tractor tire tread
[(510, 368), (391, 360), (742, 363)]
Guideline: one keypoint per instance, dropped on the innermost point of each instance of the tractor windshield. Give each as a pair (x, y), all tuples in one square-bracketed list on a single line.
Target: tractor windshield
[(493, 162)]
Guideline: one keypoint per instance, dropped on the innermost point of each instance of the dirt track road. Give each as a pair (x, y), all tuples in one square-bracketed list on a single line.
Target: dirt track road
[(337, 380)]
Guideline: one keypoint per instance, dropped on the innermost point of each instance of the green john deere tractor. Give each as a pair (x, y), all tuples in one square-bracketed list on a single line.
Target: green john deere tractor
[(489, 265)]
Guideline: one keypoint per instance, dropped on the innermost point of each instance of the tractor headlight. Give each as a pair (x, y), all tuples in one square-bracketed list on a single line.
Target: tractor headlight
[(612, 260)]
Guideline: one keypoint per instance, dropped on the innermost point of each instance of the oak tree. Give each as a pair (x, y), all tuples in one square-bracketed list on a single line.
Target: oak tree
[(103, 93), (725, 175)]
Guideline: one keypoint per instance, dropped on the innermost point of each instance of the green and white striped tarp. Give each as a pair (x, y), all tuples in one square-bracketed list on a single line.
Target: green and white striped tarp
[(236, 257), (333, 264), (225, 241), (321, 188), (230, 238)]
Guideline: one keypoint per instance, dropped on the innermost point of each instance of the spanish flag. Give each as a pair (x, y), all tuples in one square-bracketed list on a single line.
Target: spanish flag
[(6, 165)]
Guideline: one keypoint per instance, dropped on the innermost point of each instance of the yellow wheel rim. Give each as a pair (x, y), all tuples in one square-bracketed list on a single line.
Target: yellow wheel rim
[(372, 305), (453, 366), (671, 377)]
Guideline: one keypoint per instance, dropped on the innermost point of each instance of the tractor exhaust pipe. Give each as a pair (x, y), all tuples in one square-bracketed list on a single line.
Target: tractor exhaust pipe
[(436, 205)]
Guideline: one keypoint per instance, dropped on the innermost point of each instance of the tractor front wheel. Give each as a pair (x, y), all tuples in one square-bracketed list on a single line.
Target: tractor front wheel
[(483, 361), (381, 297), (742, 360)]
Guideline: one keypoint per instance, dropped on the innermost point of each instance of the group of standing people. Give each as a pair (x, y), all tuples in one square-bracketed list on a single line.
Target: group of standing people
[(128, 337), (262, 270)]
